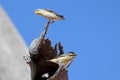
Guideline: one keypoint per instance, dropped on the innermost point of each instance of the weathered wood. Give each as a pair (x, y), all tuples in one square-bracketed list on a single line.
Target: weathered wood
[(40, 51), (50, 53)]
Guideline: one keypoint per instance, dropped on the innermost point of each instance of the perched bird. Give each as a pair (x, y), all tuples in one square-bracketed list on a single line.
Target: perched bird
[(49, 68), (62, 62), (50, 15)]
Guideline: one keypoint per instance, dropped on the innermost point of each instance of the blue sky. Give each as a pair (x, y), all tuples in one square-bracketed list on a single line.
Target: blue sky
[(91, 29)]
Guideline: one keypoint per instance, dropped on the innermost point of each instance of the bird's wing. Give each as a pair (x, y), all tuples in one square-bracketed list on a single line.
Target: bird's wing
[(49, 10), (61, 16)]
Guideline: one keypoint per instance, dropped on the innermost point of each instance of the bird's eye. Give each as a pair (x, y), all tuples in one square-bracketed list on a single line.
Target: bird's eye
[(37, 10)]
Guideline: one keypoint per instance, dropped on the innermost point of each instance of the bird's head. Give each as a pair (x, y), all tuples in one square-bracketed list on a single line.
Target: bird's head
[(68, 57), (38, 11)]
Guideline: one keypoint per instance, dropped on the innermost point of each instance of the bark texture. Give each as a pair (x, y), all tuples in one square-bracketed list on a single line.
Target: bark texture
[(40, 51)]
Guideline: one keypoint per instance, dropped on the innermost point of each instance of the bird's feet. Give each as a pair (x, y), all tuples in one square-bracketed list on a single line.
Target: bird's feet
[(51, 21)]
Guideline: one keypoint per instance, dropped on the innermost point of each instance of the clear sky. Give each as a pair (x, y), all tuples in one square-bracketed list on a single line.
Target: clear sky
[(91, 29)]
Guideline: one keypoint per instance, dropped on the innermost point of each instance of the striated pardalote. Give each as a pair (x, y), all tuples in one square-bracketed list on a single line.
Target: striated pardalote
[(49, 14)]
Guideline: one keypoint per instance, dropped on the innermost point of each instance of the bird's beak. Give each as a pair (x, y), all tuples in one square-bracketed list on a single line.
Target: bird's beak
[(35, 12)]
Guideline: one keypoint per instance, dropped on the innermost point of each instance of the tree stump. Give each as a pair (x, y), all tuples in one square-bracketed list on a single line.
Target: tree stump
[(40, 51)]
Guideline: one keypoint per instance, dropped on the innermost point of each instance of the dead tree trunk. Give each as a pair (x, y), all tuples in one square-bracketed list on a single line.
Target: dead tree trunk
[(40, 51)]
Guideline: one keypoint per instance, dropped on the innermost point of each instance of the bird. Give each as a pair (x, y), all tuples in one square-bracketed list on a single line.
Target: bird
[(62, 62), (50, 68), (49, 14)]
